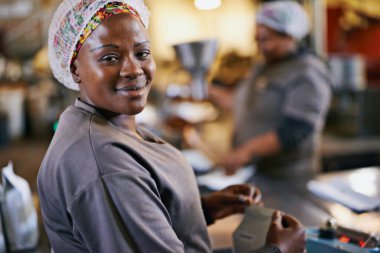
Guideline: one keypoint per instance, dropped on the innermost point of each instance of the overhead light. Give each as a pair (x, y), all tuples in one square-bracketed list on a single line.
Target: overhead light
[(207, 4)]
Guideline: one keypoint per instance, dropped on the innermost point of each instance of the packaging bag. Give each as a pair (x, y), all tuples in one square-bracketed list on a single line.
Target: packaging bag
[(251, 233), (19, 215)]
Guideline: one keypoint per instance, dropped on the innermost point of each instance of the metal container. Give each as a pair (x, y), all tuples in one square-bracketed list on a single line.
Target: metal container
[(196, 57), (348, 72)]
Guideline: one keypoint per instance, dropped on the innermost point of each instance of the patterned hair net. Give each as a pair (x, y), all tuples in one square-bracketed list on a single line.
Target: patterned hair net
[(284, 16), (68, 24)]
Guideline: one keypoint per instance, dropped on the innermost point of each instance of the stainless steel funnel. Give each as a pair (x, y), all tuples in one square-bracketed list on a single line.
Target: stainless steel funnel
[(197, 57)]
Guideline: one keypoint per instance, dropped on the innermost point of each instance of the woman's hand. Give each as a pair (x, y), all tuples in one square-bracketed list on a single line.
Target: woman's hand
[(287, 233), (262, 145), (222, 97), (230, 200), (235, 160)]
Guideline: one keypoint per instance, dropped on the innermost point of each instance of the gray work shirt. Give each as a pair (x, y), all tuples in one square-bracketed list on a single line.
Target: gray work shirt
[(299, 87), (104, 190)]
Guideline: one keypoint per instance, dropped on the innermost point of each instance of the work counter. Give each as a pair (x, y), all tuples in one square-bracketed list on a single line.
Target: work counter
[(293, 197)]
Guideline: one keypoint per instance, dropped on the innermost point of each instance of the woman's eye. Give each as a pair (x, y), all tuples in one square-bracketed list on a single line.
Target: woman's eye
[(143, 54), (110, 58)]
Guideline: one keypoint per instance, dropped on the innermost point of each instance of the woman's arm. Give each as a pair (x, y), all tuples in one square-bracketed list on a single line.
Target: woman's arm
[(288, 135)]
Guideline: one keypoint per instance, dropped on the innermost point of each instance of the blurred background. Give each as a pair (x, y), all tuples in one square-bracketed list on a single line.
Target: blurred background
[(345, 34)]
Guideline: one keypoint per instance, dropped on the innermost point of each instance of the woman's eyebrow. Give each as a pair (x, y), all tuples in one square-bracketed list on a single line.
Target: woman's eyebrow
[(140, 43), (115, 46), (103, 46)]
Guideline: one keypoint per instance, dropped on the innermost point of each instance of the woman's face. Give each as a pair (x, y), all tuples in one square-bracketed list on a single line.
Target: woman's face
[(273, 45), (114, 67)]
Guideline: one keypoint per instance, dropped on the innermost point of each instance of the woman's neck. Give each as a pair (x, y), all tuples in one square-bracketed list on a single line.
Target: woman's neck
[(126, 122), (122, 121), (294, 52)]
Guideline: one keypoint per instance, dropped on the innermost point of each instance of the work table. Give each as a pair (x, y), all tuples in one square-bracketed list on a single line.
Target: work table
[(292, 196)]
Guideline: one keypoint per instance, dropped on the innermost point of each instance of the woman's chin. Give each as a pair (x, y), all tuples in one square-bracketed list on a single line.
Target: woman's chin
[(134, 110)]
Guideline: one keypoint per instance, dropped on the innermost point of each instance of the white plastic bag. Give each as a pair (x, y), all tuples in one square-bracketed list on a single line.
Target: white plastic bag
[(18, 211)]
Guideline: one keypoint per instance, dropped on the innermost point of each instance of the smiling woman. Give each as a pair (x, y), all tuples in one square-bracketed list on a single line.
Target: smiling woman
[(114, 68), (107, 184)]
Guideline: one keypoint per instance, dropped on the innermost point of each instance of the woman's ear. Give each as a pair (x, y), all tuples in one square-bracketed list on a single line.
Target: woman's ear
[(74, 72)]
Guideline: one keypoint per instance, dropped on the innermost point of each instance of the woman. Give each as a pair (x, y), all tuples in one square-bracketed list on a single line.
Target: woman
[(281, 107), (106, 184)]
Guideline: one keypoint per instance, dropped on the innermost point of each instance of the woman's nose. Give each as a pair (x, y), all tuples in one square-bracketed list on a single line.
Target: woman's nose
[(131, 68)]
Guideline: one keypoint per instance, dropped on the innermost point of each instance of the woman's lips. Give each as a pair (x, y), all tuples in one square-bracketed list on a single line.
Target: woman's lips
[(132, 90)]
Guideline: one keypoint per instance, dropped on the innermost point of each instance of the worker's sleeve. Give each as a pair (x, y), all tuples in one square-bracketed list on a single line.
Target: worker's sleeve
[(293, 131), (307, 99)]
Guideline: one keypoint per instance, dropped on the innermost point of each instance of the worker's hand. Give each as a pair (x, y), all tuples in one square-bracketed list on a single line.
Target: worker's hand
[(193, 139), (230, 200), (222, 97), (287, 233), (235, 160)]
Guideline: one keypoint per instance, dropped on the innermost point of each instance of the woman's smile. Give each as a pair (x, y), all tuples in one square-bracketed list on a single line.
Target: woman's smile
[(132, 90)]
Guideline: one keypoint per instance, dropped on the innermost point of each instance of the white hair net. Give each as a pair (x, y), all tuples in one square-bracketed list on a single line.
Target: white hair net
[(284, 16), (67, 25)]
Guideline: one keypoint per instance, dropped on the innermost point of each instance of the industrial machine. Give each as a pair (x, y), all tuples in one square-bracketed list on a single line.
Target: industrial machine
[(333, 238)]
